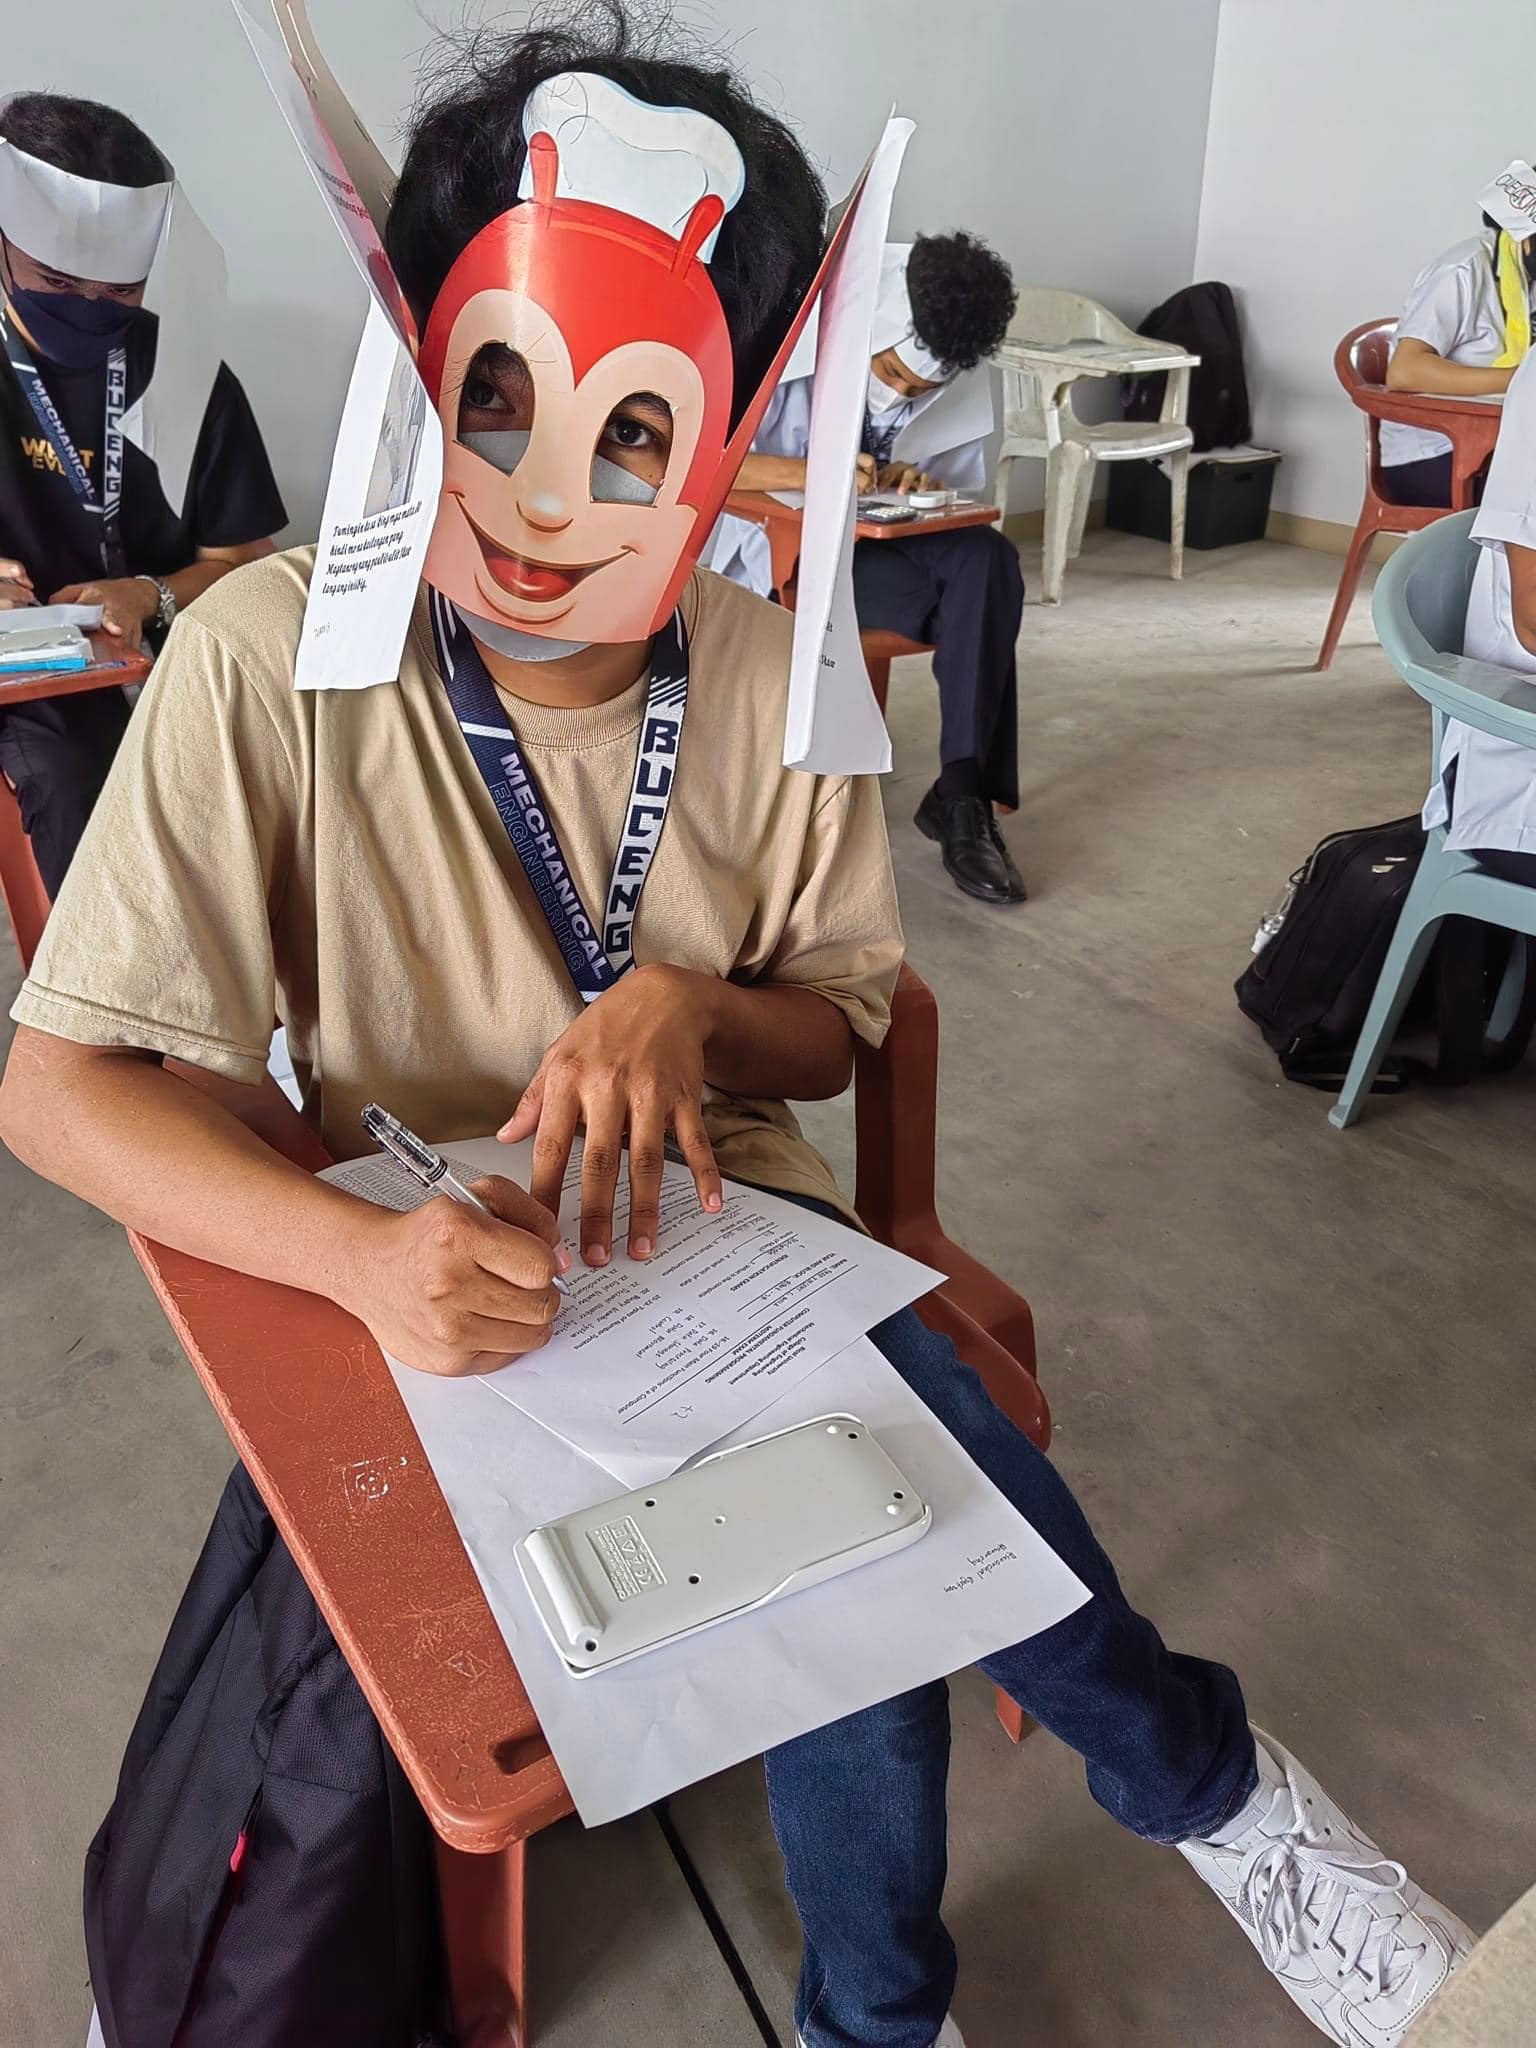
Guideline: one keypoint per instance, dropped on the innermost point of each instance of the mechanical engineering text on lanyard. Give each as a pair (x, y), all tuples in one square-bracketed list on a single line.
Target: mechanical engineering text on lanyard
[(594, 958), (107, 507)]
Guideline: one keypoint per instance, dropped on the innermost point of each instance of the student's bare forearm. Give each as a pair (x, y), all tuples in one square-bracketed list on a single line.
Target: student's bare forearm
[(774, 1040), (212, 564), (152, 1150), (771, 473), (1422, 369)]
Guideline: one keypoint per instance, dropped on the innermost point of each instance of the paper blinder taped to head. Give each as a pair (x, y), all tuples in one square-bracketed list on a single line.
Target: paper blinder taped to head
[(124, 235), (1511, 199), (576, 372)]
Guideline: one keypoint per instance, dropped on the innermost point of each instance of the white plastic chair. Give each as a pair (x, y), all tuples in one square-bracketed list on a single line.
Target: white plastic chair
[(1038, 419)]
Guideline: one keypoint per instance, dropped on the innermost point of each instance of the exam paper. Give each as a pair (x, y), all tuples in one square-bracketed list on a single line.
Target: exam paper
[(833, 726), (980, 1580), (44, 618), (652, 1362)]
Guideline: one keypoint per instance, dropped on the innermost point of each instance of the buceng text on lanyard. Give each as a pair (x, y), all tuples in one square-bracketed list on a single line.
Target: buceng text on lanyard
[(594, 956), (107, 507)]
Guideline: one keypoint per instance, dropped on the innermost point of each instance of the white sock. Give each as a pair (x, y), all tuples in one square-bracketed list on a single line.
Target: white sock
[(1254, 1808)]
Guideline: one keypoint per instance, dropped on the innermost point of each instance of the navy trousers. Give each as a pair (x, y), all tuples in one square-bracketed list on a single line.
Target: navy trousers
[(964, 594), (55, 753)]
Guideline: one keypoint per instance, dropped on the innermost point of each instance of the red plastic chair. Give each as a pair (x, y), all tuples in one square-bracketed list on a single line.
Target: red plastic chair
[(1360, 364), (782, 523), (21, 886), (304, 1392)]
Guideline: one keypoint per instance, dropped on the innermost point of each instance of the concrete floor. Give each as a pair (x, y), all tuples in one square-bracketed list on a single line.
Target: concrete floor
[(1287, 1367)]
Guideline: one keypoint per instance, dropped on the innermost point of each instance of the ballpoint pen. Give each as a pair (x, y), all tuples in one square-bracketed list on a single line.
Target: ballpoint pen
[(425, 1166)]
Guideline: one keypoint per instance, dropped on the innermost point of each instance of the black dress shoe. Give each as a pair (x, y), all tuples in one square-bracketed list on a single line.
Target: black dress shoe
[(975, 857)]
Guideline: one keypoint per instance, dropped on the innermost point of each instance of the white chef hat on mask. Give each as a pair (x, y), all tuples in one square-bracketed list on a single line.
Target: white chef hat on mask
[(606, 141), (118, 234)]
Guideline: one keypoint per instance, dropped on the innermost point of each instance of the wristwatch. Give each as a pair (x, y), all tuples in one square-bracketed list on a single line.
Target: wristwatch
[(165, 611)]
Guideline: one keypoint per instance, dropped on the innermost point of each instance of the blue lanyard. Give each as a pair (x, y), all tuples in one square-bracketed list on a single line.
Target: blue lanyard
[(877, 441), (594, 956), (107, 508)]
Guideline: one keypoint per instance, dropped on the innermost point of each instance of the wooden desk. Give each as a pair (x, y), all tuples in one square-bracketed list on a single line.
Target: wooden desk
[(26, 900), (313, 1414), (111, 668), (1470, 423), (782, 524)]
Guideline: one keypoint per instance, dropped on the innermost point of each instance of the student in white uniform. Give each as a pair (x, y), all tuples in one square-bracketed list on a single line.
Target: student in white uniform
[(1463, 333), (1487, 791), (945, 303)]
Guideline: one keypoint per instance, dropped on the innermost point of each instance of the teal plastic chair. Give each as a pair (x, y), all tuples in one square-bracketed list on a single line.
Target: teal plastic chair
[(1420, 608)]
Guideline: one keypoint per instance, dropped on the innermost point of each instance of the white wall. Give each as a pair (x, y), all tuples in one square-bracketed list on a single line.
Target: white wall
[(1071, 137), (1348, 142)]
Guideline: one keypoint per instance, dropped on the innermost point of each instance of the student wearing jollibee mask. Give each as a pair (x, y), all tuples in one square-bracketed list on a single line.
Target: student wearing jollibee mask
[(345, 856), (132, 472)]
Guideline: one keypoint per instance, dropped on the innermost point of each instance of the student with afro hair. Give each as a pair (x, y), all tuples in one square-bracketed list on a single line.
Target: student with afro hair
[(945, 304)]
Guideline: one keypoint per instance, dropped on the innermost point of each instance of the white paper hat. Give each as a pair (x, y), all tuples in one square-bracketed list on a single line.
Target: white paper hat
[(79, 225), (893, 326), (1511, 199), (120, 234), (607, 145)]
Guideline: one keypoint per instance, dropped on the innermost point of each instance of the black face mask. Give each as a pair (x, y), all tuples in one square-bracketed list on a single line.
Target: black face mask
[(71, 329)]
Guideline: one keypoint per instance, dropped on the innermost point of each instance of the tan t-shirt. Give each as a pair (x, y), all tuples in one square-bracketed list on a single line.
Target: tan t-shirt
[(335, 858)]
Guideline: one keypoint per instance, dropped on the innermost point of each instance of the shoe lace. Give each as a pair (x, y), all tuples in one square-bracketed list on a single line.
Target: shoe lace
[(1304, 1897), (975, 814)]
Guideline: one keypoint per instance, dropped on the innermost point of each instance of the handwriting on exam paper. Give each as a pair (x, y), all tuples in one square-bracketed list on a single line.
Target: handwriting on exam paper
[(986, 1561)]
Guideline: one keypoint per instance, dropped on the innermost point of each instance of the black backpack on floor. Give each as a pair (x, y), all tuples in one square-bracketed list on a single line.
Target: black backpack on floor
[(1310, 986), (265, 1878), (1201, 318)]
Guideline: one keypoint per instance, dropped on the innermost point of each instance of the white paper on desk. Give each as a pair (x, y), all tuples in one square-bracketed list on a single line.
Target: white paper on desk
[(387, 472), (45, 618), (980, 1580), (833, 726), (652, 1362)]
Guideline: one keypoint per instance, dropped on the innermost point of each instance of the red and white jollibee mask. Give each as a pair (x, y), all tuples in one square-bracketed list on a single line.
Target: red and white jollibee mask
[(580, 364)]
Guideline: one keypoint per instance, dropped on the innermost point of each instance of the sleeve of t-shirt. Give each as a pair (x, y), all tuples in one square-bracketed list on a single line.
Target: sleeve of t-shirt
[(1439, 307), (161, 935), (234, 497), (1508, 509), (842, 936)]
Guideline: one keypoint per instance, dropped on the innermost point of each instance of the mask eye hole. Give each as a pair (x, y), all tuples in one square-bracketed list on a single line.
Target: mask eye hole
[(496, 404), (629, 463)]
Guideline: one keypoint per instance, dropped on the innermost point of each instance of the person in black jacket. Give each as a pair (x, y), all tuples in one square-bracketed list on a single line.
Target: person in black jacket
[(80, 352)]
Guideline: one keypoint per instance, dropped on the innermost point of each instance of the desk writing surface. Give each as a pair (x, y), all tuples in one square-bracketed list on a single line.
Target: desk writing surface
[(1097, 358), (111, 667), (784, 507), (312, 1411)]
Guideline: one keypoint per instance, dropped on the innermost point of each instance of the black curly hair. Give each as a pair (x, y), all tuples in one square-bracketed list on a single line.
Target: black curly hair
[(465, 155), (962, 296), (83, 137)]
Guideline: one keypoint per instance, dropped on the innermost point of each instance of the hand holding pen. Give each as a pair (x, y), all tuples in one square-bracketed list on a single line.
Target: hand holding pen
[(461, 1286)]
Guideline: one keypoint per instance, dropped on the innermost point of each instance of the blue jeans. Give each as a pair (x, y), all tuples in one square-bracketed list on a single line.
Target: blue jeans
[(859, 1807)]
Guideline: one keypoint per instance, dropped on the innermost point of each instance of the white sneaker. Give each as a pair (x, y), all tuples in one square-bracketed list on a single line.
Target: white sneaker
[(1358, 1947), (949, 2037)]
